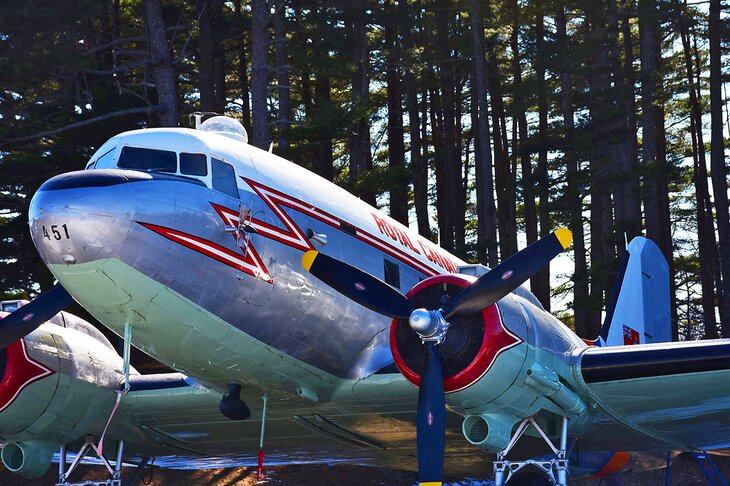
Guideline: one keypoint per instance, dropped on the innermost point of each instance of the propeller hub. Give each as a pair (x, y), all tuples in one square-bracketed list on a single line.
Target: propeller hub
[(430, 325)]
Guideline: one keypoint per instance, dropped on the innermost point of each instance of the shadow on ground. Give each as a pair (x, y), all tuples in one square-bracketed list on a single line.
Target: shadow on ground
[(684, 472)]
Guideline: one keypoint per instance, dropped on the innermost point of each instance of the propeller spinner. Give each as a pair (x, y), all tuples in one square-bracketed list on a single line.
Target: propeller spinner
[(432, 325)]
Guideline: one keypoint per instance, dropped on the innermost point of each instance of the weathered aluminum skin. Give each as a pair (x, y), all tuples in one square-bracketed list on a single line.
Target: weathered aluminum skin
[(295, 313)]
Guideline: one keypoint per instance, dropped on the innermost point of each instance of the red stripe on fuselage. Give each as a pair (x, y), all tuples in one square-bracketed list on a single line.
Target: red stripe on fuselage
[(249, 263), (276, 199)]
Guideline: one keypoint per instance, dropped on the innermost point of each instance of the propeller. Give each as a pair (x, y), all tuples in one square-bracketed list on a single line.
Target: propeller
[(27, 318), (508, 275), (431, 420), (432, 325), (357, 285)]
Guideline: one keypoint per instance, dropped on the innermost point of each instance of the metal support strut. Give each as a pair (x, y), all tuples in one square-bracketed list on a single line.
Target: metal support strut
[(98, 447), (556, 469), (260, 470), (115, 472)]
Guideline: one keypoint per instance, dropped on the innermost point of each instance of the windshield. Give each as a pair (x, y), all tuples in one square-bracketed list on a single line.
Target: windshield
[(147, 159)]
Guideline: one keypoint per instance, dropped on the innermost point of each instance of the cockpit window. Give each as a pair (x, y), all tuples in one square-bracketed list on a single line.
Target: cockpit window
[(193, 164), (102, 161), (147, 159), (224, 177)]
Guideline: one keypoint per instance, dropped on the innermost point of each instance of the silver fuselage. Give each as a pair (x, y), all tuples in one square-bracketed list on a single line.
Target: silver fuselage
[(212, 284)]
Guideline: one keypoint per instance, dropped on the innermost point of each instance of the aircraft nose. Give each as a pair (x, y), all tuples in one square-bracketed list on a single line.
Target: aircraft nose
[(81, 216)]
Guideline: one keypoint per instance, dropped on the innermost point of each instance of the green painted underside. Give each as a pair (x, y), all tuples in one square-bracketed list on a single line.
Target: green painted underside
[(186, 421)]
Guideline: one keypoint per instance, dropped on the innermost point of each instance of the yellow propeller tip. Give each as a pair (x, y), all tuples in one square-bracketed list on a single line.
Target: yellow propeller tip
[(308, 259), (564, 237), (432, 483)]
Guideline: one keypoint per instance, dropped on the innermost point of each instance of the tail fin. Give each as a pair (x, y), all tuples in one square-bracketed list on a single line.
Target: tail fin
[(639, 310)]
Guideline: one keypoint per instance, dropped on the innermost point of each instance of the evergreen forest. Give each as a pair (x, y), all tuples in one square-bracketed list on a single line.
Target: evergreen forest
[(482, 124)]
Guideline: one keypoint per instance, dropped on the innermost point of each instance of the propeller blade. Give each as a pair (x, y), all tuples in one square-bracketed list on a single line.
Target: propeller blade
[(431, 420), (27, 318), (508, 275), (357, 285)]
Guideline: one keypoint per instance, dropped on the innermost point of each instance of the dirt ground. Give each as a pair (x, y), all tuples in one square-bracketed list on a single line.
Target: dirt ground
[(684, 472)]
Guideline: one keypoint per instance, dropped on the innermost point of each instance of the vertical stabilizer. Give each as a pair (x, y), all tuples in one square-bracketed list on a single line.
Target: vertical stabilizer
[(639, 309)]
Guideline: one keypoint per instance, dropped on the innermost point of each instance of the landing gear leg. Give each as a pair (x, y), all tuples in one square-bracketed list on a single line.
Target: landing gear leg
[(555, 469), (115, 472)]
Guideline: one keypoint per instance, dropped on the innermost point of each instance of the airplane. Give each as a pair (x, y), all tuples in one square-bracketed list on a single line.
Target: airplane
[(303, 321)]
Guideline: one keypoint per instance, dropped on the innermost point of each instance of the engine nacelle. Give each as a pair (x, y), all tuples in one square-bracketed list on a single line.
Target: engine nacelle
[(28, 459), (58, 384), (472, 345), (488, 431)]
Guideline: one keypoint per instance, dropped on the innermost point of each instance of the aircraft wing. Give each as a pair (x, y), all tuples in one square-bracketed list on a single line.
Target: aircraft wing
[(177, 420), (677, 393)]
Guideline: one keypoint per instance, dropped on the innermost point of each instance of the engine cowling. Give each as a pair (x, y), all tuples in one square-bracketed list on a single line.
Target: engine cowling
[(58, 384), (472, 345)]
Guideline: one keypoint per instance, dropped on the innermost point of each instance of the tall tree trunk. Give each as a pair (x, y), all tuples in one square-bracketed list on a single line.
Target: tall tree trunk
[(243, 70), (717, 162), (601, 219), (452, 166), (438, 144), (461, 151), (705, 227), (162, 71), (504, 177), (633, 183), (419, 166), (260, 12), (206, 56), (324, 162), (656, 192), (424, 140), (540, 284), (574, 185), (282, 77), (486, 207), (520, 142), (360, 157), (219, 57), (396, 148), (626, 192)]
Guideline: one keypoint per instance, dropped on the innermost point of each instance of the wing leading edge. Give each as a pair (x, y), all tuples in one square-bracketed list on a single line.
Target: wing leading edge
[(675, 394)]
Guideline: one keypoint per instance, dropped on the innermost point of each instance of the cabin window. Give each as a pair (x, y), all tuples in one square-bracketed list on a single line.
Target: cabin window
[(392, 273), (147, 159), (193, 164), (224, 177)]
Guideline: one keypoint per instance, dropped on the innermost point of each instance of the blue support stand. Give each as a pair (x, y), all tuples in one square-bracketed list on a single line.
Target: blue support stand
[(709, 469)]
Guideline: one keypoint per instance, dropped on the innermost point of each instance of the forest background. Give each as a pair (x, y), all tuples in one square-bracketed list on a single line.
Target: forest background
[(483, 124)]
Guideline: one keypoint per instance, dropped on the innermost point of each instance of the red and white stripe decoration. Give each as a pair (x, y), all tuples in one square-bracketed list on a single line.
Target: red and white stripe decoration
[(249, 262), (291, 235), (295, 238)]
